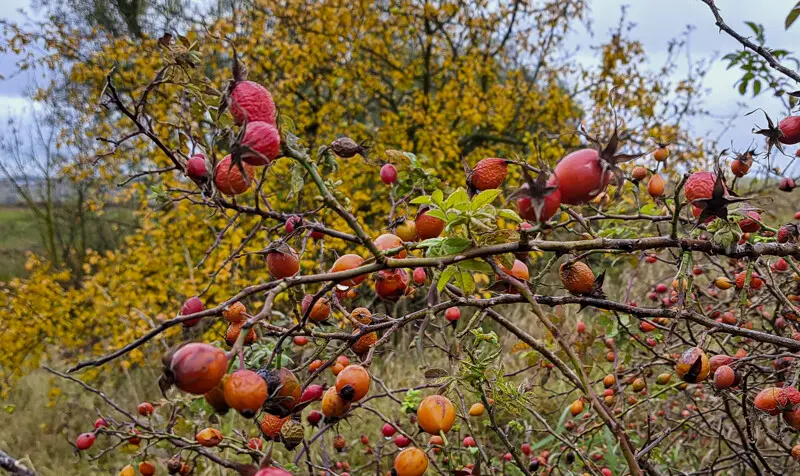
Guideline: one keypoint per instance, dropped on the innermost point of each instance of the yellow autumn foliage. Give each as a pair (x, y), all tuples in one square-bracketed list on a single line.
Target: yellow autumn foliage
[(444, 81)]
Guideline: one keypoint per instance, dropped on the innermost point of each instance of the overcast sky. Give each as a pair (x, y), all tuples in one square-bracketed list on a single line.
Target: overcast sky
[(657, 21)]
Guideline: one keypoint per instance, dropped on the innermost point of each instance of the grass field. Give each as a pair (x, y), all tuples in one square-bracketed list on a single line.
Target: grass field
[(20, 233)]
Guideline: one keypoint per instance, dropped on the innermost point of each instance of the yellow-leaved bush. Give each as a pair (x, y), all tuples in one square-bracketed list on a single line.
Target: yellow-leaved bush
[(405, 78)]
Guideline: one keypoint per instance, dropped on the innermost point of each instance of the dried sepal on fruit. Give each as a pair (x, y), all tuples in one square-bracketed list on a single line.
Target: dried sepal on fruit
[(787, 132), (713, 200), (283, 388), (693, 365), (333, 405), (538, 199), (353, 383)]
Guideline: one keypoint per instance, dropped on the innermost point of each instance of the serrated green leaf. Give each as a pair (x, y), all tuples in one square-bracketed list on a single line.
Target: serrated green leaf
[(421, 200), (717, 225), (411, 401), (723, 238), (437, 197), (511, 215), (455, 245), (484, 198), (459, 196), (446, 276)]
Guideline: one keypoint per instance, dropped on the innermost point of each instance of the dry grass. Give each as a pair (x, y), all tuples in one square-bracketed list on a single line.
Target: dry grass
[(44, 413)]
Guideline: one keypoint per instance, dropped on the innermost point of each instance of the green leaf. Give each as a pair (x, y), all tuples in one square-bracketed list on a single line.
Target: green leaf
[(437, 197), (510, 215), (610, 443), (329, 164), (465, 282), (292, 468), (430, 242), (649, 209), (716, 225), (437, 213), (477, 266), (792, 15), (446, 276), (756, 87), (625, 319), (507, 259), (411, 401), (462, 206), (421, 200), (413, 159), (296, 180), (511, 469), (743, 87), (484, 198), (516, 426), (756, 28), (455, 245), (458, 220), (480, 336), (459, 196)]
